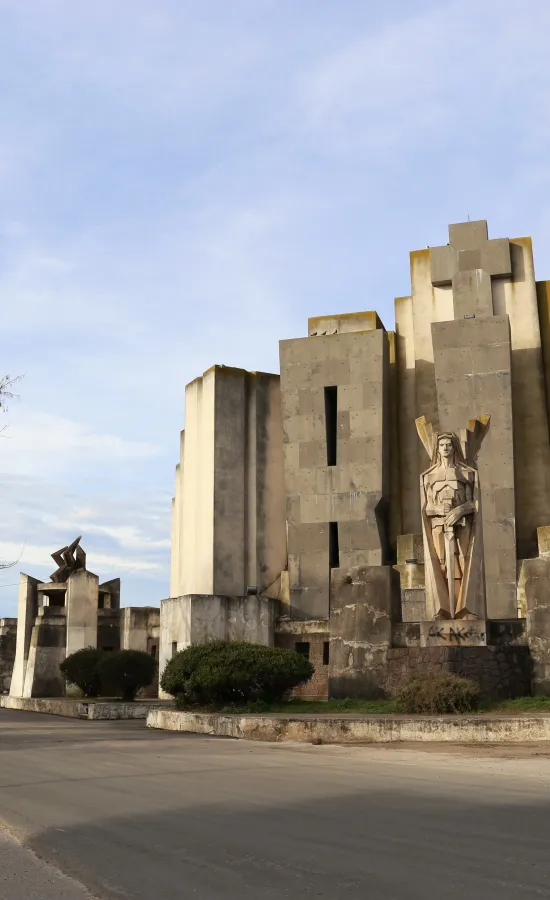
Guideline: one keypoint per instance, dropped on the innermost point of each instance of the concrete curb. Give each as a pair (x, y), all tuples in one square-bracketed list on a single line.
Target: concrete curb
[(80, 709), (358, 730)]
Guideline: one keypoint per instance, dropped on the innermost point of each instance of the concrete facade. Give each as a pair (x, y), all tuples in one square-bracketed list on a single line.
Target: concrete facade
[(335, 428), (199, 618), (409, 470), (228, 526)]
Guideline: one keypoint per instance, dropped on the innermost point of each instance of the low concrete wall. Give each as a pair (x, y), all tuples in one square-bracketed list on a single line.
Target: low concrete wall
[(80, 709), (350, 730)]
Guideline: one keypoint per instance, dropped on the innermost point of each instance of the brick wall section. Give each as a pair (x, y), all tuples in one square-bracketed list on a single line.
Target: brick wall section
[(317, 687), (502, 672)]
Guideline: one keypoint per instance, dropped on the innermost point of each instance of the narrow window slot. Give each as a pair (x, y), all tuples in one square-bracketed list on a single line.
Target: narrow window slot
[(326, 653), (331, 423), (333, 546)]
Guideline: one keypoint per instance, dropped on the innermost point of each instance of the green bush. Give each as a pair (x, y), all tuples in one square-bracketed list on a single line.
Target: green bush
[(124, 672), (80, 668), (439, 693), (221, 674)]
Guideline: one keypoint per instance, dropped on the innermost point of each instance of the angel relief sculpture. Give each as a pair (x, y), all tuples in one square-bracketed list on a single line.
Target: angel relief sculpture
[(451, 523)]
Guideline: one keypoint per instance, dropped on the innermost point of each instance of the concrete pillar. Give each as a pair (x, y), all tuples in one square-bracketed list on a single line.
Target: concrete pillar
[(228, 524), (27, 609), (337, 463), (364, 603), (43, 677), (82, 601), (473, 374)]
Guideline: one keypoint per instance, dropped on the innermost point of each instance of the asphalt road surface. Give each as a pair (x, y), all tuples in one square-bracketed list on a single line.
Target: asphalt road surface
[(131, 813)]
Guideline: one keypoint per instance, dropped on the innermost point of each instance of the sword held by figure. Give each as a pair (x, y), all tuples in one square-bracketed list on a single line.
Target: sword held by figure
[(450, 549)]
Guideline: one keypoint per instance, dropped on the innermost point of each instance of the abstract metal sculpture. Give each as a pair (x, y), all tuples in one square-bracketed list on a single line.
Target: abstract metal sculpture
[(69, 559)]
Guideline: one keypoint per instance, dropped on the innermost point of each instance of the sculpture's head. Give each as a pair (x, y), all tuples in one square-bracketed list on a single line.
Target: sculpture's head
[(448, 451), (445, 447)]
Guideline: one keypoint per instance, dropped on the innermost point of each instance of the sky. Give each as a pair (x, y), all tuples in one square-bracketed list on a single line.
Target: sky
[(182, 184)]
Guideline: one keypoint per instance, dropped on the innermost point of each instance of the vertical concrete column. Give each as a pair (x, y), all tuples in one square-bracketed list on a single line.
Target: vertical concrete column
[(265, 556), (195, 528), (27, 609), (337, 463), (230, 488), (364, 603), (82, 602), (473, 377)]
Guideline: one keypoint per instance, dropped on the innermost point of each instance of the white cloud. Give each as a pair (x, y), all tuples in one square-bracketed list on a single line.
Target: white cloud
[(40, 443), (432, 78)]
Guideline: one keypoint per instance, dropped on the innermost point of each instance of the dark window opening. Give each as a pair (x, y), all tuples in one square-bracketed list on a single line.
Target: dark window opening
[(174, 648), (303, 648), (333, 546), (108, 649), (326, 653), (154, 651), (331, 423)]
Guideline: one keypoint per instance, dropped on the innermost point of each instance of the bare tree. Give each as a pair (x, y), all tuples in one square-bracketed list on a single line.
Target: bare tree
[(6, 384)]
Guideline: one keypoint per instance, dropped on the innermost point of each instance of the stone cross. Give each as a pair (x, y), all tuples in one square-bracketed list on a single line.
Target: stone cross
[(468, 262)]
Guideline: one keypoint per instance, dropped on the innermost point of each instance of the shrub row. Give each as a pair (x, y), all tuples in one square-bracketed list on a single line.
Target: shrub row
[(219, 674), (113, 674)]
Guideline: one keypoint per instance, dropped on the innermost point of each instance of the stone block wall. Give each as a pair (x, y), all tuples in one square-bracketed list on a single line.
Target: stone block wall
[(502, 672), (334, 395)]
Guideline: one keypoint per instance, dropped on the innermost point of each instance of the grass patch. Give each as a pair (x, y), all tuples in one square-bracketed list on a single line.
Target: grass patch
[(521, 704), (368, 707), (317, 707)]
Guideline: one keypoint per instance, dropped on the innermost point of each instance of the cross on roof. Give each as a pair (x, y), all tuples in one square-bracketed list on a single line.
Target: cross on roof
[(468, 262)]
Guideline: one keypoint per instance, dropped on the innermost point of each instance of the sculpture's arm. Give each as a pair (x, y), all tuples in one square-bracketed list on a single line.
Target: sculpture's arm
[(465, 509), (431, 508)]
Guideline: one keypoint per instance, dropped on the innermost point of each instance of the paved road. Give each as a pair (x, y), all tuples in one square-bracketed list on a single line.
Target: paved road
[(142, 815)]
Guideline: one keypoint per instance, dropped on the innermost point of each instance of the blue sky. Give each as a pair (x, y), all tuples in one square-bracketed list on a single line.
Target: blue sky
[(183, 184)]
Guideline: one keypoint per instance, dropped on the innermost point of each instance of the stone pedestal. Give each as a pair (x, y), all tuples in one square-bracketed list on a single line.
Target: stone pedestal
[(453, 633)]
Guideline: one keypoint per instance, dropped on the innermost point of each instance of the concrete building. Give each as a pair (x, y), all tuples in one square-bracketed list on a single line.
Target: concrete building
[(228, 521), (404, 524), (66, 614)]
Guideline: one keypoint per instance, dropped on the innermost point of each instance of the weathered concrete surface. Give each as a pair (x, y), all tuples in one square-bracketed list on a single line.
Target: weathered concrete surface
[(358, 730), (81, 709), (143, 814), (228, 526), (27, 608), (8, 640), (340, 497), (364, 601), (81, 603), (198, 618), (536, 583)]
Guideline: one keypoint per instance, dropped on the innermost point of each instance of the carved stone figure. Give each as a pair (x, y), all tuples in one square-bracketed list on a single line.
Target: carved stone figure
[(451, 524)]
